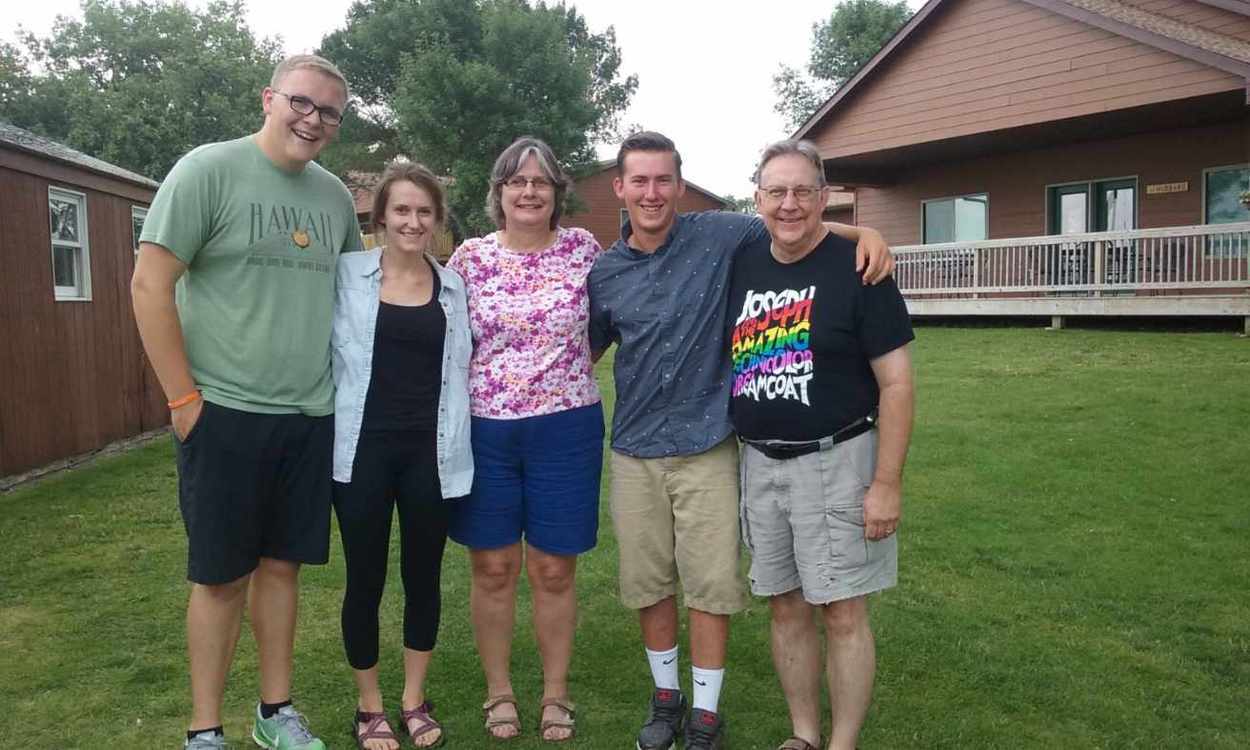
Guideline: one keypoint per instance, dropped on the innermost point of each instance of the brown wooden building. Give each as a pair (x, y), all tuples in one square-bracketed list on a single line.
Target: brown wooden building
[(1090, 155), (73, 376), (598, 210)]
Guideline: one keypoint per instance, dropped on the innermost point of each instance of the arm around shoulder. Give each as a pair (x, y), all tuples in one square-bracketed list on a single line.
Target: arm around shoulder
[(872, 254)]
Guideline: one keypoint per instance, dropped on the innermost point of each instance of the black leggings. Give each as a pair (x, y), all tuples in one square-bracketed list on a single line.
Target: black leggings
[(391, 469)]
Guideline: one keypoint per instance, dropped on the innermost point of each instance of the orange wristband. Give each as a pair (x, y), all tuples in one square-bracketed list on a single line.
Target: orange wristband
[(178, 403)]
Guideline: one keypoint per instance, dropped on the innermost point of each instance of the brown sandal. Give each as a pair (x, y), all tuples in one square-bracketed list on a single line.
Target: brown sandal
[(565, 705), (371, 721), (798, 743), (510, 721), (422, 713)]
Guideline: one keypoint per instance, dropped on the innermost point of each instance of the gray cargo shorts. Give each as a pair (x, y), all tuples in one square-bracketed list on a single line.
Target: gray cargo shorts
[(803, 522)]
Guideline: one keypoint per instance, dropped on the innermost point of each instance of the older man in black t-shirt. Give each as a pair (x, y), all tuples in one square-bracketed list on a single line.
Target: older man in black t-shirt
[(822, 396)]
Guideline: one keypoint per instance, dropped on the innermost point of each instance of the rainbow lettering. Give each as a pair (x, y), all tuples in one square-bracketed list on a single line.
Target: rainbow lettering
[(771, 338)]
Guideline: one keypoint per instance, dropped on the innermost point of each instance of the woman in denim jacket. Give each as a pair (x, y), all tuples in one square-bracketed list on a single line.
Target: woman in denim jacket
[(401, 355)]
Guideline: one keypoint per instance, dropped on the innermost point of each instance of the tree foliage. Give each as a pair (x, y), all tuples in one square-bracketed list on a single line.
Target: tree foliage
[(451, 83), (740, 205), (139, 82), (840, 46)]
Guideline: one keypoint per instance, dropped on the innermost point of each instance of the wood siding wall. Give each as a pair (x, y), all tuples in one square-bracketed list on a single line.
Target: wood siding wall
[(1199, 14), (1016, 183), (986, 65), (601, 209), (73, 376)]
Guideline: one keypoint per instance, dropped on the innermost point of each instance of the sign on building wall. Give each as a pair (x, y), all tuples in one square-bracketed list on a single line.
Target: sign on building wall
[(1167, 187)]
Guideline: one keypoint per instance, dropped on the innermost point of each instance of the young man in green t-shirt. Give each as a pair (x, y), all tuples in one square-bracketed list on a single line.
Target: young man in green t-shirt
[(233, 294)]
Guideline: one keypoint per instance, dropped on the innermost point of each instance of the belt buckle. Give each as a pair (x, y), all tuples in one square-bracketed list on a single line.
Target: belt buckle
[(784, 452)]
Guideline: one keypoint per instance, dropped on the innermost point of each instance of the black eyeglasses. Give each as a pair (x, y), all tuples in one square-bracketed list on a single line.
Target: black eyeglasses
[(306, 106)]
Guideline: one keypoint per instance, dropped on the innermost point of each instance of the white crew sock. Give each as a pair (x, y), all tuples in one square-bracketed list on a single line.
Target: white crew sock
[(707, 687), (664, 668)]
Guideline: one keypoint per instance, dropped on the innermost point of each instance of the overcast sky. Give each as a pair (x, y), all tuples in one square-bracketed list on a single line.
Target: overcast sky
[(704, 71)]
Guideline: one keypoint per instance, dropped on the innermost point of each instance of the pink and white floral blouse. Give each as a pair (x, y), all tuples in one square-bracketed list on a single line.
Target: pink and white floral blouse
[(528, 314)]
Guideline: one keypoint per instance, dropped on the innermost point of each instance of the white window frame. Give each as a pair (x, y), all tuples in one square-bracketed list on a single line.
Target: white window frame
[(925, 203), (82, 291), (136, 212)]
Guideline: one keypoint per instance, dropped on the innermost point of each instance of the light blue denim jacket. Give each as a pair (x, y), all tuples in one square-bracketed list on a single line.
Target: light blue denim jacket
[(358, 290)]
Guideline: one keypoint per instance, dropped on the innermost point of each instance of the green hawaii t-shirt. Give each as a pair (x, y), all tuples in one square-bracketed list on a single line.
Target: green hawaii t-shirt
[(256, 302)]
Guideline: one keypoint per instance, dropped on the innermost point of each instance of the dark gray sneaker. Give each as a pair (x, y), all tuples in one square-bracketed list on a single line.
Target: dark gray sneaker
[(704, 731), (664, 721)]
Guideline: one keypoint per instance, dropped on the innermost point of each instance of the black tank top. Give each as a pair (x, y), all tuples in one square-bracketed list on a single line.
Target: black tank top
[(407, 367)]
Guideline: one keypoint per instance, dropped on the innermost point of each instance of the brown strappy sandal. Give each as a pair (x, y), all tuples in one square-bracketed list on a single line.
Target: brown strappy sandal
[(798, 743), (371, 721), (499, 721), (565, 705), (422, 713)]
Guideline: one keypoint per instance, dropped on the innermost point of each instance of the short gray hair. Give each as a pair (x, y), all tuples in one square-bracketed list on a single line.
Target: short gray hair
[(309, 62), (805, 149), (509, 163)]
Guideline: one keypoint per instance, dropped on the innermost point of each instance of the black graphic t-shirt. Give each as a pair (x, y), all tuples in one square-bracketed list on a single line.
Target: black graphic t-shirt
[(802, 335)]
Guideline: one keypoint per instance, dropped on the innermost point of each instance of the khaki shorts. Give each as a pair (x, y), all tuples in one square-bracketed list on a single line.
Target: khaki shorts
[(803, 522), (677, 518)]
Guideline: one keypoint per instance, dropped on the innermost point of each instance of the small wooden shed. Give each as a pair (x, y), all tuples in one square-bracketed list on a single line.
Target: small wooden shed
[(73, 376)]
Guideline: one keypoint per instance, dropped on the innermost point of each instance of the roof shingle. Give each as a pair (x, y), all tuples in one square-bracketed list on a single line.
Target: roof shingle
[(24, 140)]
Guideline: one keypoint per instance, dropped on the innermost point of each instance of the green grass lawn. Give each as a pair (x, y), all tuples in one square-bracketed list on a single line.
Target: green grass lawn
[(1075, 573)]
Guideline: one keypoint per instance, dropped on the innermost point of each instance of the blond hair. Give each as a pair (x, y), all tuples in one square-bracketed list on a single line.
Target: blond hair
[(308, 62)]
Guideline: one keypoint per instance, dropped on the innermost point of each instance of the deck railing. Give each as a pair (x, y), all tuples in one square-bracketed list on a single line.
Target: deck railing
[(1210, 257)]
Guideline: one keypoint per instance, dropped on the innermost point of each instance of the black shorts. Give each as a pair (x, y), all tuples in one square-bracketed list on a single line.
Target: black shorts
[(252, 486)]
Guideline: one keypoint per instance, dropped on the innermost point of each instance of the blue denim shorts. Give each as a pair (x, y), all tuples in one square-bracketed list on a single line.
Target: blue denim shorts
[(537, 478)]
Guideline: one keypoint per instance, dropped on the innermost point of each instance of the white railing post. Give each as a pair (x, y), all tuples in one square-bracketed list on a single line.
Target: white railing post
[(1099, 271)]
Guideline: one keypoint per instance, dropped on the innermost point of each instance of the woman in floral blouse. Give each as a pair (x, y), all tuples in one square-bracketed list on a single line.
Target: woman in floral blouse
[(537, 428)]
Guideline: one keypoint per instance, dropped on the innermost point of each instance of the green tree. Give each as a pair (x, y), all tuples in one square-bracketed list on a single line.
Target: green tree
[(741, 205), (14, 79), (451, 83), (140, 82), (840, 46)]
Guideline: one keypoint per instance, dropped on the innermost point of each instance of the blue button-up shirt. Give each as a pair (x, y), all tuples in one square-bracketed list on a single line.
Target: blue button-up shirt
[(359, 288), (666, 313)]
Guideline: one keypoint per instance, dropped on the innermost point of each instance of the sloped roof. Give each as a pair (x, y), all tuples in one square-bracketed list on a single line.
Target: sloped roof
[(24, 140), (1175, 36), (1236, 6), (606, 164), (1185, 40)]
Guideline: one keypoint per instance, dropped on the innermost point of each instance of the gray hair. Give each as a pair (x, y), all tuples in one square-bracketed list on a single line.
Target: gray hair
[(509, 163), (805, 149), (309, 62)]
